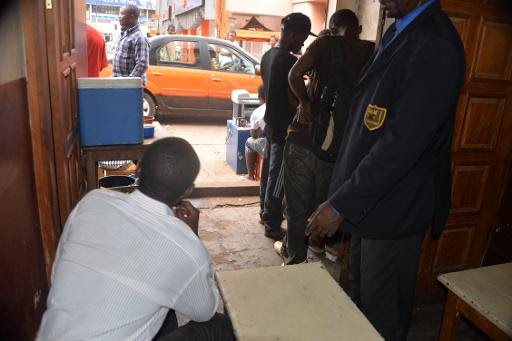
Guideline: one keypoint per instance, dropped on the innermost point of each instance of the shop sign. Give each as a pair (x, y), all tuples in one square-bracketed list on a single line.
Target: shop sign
[(182, 6)]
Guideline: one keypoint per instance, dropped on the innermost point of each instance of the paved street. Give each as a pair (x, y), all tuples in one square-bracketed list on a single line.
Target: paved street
[(208, 137)]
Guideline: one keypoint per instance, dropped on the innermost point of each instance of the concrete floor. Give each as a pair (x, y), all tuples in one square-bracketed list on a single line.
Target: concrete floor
[(208, 140)]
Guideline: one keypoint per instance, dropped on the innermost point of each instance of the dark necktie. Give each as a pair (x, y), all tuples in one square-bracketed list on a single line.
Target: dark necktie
[(388, 36)]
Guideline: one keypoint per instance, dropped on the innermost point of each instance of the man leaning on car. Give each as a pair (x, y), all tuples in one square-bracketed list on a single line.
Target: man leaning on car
[(132, 52)]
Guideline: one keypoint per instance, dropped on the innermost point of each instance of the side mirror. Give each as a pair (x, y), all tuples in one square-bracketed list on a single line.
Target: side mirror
[(257, 69)]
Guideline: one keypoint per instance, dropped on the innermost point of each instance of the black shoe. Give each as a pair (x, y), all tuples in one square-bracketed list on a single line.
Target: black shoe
[(276, 234)]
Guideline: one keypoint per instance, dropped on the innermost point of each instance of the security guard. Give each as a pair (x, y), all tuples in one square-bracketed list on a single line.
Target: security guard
[(392, 176)]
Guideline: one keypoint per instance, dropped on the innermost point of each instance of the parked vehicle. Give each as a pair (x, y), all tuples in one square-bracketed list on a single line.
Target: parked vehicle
[(194, 74)]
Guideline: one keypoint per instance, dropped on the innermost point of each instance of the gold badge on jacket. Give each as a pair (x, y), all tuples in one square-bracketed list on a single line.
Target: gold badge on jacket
[(374, 117)]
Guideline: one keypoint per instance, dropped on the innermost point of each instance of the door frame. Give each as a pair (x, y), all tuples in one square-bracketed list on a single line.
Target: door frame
[(40, 117)]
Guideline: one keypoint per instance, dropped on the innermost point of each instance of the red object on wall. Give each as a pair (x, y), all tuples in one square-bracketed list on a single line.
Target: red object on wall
[(205, 28)]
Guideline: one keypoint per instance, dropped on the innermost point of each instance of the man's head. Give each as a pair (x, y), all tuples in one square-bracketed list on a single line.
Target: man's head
[(324, 32), (272, 40), (128, 16), (345, 22), (295, 28), (399, 8), (168, 170), (232, 36), (171, 29)]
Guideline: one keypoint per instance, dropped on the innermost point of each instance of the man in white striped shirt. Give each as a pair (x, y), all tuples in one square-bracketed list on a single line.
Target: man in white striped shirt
[(127, 262)]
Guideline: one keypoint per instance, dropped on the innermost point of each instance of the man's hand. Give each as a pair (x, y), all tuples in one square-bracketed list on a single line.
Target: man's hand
[(324, 221), (304, 115), (188, 214)]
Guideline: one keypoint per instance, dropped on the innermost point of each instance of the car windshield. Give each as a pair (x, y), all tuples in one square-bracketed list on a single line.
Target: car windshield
[(179, 52), (227, 59)]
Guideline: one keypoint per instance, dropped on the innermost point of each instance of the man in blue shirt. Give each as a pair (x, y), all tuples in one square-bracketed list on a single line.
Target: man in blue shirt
[(392, 175), (132, 51)]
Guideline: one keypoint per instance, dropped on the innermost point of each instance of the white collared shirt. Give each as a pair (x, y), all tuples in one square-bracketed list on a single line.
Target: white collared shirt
[(257, 117), (123, 261)]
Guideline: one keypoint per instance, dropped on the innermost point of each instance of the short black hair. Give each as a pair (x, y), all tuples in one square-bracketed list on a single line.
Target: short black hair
[(296, 22), (344, 18), (133, 10), (167, 169), (324, 32), (261, 92)]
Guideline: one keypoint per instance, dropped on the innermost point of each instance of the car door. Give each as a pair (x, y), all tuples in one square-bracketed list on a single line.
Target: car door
[(229, 70), (178, 77)]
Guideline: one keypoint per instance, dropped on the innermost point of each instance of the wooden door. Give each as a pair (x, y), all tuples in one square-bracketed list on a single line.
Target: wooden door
[(482, 139), (63, 58)]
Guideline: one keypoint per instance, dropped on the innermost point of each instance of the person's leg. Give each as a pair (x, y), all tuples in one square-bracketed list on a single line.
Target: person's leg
[(323, 172), (264, 179), (169, 325), (354, 276), (250, 161), (218, 328), (388, 278), (299, 190), (273, 210)]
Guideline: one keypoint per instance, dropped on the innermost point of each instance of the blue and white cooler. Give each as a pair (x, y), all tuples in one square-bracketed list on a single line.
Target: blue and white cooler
[(110, 111)]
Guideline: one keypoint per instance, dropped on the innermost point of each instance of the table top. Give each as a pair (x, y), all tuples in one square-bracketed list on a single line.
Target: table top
[(488, 290), (294, 302)]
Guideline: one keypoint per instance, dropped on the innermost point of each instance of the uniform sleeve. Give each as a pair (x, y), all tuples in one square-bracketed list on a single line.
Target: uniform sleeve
[(424, 103), (200, 298), (141, 57)]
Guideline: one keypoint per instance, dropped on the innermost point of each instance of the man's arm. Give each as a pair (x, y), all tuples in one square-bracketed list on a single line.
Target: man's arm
[(200, 298), (141, 57), (255, 133), (298, 87), (187, 213), (309, 61), (423, 104)]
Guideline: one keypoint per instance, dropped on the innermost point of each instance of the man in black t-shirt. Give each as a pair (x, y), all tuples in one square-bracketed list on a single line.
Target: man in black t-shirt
[(280, 110)]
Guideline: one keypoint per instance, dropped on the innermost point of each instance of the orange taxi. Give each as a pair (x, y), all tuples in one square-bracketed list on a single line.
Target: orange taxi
[(195, 74)]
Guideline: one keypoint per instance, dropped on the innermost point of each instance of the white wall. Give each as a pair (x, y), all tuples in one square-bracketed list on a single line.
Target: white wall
[(262, 7), (12, 44), (367, 11), (368, 14)]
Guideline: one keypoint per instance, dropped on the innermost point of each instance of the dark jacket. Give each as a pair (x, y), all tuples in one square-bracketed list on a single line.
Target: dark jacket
[(392, 176)]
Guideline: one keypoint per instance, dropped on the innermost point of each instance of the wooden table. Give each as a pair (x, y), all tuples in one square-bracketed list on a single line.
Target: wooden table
[(115, 152), (294, 302), (483, 296)]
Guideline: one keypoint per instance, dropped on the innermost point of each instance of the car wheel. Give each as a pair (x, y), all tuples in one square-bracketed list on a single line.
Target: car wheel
[(148, 105)]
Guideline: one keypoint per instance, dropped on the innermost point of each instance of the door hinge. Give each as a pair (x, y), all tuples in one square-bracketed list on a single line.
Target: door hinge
[(48, 4)]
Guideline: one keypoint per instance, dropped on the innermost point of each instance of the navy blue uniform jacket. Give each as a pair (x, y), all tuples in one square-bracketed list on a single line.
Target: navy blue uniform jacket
[(392, 175)]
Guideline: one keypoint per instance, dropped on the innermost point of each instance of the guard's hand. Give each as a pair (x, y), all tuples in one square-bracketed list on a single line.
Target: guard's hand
[(324, 221), (186, 212), (304, 115)]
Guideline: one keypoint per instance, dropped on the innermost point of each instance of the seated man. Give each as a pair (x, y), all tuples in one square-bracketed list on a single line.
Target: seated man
[(213, 58), (257, 142), (127, 262)]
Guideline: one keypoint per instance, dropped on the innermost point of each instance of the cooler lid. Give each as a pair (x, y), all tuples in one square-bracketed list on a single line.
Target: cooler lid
[(110, 82)]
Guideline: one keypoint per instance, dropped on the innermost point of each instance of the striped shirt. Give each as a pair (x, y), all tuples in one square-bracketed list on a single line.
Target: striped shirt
[(132, 55), (123, 261)]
